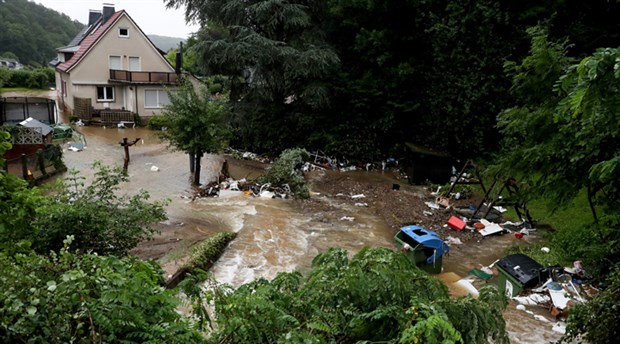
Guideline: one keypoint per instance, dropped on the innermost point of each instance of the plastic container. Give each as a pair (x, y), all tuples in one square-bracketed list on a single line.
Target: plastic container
[(424, 248), (516, 273)]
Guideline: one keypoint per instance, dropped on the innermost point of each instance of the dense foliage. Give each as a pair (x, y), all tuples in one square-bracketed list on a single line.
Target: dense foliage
[(562, 140), (383, 72), (376, 296), (71, 298), (603, 328), (100, 218), (38, 78), (286, 170), (32, 32), (196, 123)]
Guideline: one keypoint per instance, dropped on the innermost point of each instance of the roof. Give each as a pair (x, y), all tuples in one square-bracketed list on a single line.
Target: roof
[(33, 123), (89, 41)]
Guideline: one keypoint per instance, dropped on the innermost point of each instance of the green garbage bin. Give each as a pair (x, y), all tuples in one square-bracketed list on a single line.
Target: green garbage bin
[(516, 273)]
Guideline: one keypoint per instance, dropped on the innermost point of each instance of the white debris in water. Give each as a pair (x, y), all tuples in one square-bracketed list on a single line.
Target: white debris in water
[(358, 196), (541, 318), (559, 327), (361, 204), (347, 218), (154, 168)]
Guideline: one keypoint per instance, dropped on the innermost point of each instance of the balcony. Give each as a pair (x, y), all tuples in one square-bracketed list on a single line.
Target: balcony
[(125, 76)]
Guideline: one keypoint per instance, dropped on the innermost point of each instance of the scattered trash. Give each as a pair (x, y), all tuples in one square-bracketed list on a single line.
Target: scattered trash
[(347, 218), (443, 201), (481, 274), (358, 196), (453, 241), (361, 204), (432, 205), (427, 213), (154, 168), (545, 249), (79, 123), (456, 223), (490, 228), (75, 147)]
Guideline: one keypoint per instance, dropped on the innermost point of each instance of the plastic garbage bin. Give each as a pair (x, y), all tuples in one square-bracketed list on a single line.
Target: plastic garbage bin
[(516, 273), (424, 248)]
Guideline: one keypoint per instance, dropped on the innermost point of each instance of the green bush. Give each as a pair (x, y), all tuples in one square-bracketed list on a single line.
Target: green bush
[(157, 122), (207, 252), (285, 170), (18, 78), (37, 80)]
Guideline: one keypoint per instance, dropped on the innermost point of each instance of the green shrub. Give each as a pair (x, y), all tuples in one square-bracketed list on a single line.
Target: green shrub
[(285, 170), (157, 122), (207, 252), (19, 78)]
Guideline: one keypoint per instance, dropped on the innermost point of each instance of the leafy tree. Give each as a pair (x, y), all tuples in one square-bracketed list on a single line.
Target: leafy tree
[(196, 123), (69, 298), (376, 296), (100, 219), (276, 59)]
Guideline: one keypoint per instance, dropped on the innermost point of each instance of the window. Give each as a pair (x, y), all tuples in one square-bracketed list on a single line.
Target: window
[(105, 93), (155, 98), (123, 32), (134, 63), (115, 62)]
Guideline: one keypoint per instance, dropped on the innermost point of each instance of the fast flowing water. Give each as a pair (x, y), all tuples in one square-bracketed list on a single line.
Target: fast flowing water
[(274, 235)]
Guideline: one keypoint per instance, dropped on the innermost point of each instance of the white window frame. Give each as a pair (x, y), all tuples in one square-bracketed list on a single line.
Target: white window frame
[(106, 99), (126, 30), (158, 105), (120, 62)]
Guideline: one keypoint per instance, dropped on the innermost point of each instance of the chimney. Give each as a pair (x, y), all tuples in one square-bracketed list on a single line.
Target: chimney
[(179, 60), (108, 11), (93, 16)]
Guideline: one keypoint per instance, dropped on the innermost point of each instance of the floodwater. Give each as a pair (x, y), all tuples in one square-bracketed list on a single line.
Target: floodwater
[(273, 235)]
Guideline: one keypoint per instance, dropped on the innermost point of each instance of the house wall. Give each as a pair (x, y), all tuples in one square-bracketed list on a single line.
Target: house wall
[(93, 70)]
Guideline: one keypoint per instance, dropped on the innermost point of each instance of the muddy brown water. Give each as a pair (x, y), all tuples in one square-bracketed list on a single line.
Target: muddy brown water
[(274, 235)]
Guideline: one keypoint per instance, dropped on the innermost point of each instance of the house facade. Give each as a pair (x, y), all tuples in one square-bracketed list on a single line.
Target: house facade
[(112, 65)]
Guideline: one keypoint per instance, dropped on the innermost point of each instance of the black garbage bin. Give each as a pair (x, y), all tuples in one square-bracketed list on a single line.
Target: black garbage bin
[(518, 272)]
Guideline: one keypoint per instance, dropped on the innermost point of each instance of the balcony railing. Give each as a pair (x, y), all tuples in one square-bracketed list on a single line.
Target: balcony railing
[(143, 77)]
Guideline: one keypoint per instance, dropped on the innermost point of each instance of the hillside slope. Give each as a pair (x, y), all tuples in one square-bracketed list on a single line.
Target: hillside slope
[(32, 32)]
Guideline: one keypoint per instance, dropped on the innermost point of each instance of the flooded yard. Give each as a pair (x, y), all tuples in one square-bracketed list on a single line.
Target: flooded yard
[(274, 235)]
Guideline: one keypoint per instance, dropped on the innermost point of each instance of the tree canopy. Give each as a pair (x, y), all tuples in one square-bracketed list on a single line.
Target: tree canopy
[(196, 122)]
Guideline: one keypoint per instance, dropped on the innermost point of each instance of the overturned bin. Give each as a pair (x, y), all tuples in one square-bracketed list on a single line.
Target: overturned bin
[(518, 272), (423, 248)]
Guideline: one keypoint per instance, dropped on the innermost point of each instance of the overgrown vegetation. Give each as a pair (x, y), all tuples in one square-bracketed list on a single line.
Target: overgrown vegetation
[(86, 298), (39, 78), (286, 170), (377, 296), (208, 251), (554, 139)]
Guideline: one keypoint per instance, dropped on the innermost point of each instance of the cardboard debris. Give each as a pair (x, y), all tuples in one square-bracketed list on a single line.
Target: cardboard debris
[(490, 228)]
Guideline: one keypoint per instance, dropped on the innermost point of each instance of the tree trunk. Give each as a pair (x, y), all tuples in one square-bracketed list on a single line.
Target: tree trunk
[(192, 160), (197, 170)]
